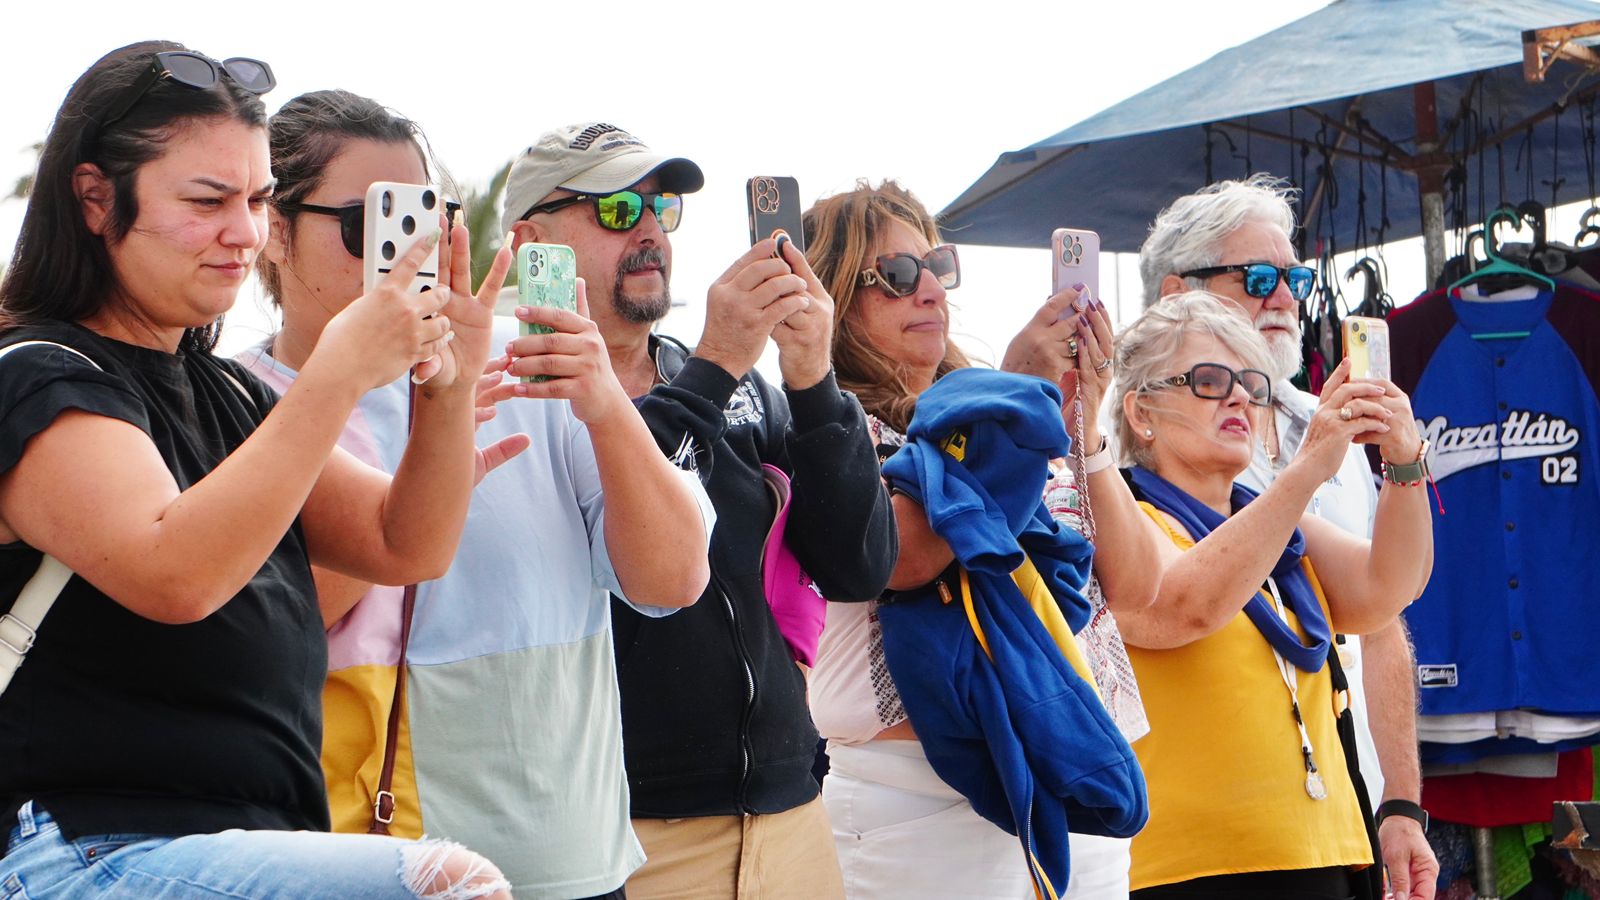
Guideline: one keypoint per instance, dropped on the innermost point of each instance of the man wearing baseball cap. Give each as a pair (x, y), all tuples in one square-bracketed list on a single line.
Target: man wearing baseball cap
[(717, 737)]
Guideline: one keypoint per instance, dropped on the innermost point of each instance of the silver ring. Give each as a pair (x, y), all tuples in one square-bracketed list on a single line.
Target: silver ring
[(1104, 365), (1346, 413), (1072, 346)]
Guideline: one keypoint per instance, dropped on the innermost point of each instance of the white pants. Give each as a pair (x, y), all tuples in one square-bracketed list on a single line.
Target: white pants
[(902, 832)]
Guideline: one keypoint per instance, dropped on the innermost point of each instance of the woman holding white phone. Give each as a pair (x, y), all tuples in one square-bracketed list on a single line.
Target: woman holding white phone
[(162, 737), (592, 508), (899, 829)]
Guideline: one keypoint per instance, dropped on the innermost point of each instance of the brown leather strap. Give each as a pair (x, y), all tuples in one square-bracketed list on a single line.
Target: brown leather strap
[(383, 800)]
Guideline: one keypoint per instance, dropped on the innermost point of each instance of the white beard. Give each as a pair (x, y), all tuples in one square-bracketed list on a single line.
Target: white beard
[(1284, 348)]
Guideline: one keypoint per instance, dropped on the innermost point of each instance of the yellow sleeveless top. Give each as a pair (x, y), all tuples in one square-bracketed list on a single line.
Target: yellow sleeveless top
[(1222, 760)]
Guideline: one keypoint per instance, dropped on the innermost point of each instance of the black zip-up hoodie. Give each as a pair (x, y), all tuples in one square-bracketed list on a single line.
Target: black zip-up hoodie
[(714, 716)]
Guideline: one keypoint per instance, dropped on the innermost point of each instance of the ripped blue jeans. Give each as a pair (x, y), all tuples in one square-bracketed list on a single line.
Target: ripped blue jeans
[(41, 864)]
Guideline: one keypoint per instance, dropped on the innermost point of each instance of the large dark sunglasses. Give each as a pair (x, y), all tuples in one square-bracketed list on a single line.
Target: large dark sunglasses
[(1215, 381), (621, 210), (1261, 279), (353, 220), (898, 273), (195, 70)]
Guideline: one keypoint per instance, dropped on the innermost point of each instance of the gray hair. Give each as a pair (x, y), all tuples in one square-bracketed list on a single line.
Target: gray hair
[(1185, 235), (1146, 349)]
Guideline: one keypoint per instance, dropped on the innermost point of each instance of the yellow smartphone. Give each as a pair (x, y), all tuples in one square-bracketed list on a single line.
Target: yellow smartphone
[(1366, 345)]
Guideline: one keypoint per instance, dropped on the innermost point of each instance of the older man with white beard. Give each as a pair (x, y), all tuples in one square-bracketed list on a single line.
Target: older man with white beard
[(1232, 239)]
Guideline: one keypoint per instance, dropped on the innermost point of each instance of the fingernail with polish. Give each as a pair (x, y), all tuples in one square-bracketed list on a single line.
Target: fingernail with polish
[(510, 240), (432, 240)]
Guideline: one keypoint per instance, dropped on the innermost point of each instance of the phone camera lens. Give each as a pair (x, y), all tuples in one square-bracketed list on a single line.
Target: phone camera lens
[(1362, 337)]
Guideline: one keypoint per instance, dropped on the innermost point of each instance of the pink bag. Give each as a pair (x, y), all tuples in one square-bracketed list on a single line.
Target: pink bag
[(797, 603)]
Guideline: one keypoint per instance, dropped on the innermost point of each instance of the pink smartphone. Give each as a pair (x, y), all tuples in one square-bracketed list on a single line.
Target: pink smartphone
[(1075, 258)]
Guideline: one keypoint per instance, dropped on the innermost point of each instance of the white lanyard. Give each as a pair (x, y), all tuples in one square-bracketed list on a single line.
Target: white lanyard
[(1315, 789)]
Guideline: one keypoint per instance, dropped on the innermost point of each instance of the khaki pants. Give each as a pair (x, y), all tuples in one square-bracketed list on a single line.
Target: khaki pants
[(783, 855)]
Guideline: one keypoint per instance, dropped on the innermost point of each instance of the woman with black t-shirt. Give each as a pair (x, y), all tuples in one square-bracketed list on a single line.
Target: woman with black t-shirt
[(162, 738)]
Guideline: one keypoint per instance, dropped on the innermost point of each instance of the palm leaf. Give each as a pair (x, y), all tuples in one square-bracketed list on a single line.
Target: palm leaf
[(483, 221)]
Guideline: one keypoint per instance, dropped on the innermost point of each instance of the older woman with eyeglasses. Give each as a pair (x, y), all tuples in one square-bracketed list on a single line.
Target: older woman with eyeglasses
[(900, 829), (1249, 790)]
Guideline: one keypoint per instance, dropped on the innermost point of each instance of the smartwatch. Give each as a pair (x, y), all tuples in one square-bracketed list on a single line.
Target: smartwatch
[(1398, 807), (1407, 474)]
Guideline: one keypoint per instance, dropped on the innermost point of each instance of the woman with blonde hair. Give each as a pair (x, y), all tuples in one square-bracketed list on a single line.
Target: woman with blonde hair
[(900, 829), (1233, 657)]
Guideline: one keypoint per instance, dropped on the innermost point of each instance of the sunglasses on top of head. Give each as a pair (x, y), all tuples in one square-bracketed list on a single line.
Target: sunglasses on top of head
[(899, 273), (621, 210), (353, 220), (1261, 279), (194, 70), (1215, 381)]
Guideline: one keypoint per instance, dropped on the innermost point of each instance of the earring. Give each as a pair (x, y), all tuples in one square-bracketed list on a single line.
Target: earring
[(1149, 433)]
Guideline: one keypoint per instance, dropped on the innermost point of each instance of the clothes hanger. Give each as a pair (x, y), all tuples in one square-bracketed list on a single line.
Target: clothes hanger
[(1498, 265), (1375, 302), (1499, 271), (1544, 256), (1588, 230)]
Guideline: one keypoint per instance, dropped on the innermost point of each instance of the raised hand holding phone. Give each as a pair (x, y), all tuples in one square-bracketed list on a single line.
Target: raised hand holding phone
[(804, 337), (388, 329), (744, 306), (573, 357), (547, 275)]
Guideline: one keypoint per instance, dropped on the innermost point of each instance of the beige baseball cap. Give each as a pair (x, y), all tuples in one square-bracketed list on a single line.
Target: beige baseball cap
[(590, 157)]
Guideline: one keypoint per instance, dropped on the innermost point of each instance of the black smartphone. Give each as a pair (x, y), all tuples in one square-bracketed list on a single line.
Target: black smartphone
[(774, 203)]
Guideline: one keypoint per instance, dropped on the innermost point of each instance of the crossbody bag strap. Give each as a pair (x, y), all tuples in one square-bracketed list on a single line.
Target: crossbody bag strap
[(383, 801), (1370, 880), (19, 628)]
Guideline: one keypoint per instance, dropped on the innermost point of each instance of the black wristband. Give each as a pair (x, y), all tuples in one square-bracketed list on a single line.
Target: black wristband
[(1398, 807)]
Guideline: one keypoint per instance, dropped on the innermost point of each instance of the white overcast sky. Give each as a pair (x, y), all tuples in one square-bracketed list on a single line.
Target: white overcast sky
[(827, 91)]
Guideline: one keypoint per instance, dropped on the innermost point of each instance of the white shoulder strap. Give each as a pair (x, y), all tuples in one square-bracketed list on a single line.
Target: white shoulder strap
[(20, 626), (20, 344)]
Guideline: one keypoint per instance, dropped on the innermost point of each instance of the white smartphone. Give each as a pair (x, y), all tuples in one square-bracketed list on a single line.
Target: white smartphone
[(396, 216), (1075, 259)]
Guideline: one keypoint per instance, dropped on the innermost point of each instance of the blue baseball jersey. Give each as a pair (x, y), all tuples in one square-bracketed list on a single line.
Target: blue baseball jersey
[(1505, 393)]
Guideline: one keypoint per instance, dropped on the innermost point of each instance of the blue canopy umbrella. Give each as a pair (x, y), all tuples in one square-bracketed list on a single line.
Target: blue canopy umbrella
[(1341, 101)]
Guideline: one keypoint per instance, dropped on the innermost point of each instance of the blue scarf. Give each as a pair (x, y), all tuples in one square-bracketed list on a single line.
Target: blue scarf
[(1199, 519)]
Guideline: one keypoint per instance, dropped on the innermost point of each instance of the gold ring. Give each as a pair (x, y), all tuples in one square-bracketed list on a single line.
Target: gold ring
[(1346, 414)]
